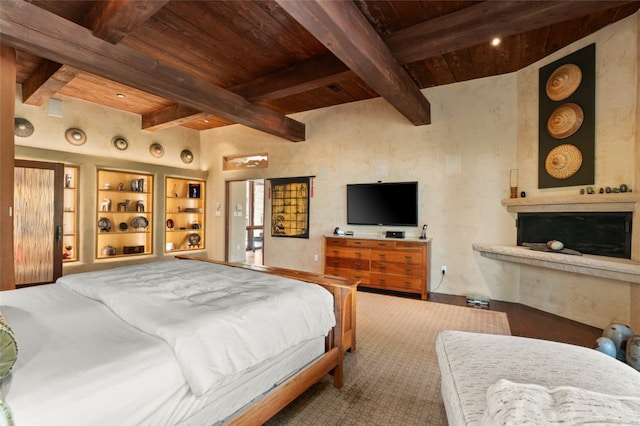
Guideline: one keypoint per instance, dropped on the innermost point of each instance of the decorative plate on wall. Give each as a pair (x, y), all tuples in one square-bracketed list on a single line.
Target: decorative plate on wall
[(186, 156), (156, 150), (22, 127), (75, 136), (563, 161), (120, 143), (563, 82), (565, 120)]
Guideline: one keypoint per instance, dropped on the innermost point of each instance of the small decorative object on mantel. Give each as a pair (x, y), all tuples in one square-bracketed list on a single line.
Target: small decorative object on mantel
[(553, 246), (156, 150), (22, 127), (75, 136), (513, 183), (120, 143)]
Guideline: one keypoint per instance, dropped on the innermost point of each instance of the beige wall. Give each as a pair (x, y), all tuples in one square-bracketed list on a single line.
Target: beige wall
[(481, 129), (586, 299), (461, 161), (101, 124)]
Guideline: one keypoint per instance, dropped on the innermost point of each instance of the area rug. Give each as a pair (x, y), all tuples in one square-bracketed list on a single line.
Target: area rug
[(392, 378)]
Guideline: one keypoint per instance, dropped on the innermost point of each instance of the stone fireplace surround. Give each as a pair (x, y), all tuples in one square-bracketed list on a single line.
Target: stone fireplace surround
[(602, 266), (624, 270)]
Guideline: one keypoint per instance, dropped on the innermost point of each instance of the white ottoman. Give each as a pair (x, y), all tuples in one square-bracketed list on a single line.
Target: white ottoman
[(472, 362)]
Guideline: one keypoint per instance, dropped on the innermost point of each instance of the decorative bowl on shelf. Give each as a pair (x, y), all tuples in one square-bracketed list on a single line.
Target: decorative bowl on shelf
[(104, 224), (108, 251), (140, 222), (194, 239)]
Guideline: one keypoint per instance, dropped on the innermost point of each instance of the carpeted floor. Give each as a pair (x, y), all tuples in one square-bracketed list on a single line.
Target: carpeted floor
[(393, 377)]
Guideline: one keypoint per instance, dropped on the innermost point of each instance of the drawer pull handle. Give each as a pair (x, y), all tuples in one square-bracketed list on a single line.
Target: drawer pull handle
[(358, 253), (335, 262), (358, 264), (408, 269), (381, 280)]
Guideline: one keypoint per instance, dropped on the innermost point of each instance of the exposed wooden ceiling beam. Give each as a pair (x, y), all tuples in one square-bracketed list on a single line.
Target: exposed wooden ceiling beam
[(45, 82), (172, 116), (344, 30), (113, 20), (302, 77), (440, 35), (482, 22), (30, 28)]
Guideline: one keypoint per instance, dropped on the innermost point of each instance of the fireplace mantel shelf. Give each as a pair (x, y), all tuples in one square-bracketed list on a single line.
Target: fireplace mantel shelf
[(619, 202), (599, 266)]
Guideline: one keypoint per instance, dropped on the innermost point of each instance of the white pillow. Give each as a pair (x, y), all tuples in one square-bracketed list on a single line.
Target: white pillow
[(510, 403)]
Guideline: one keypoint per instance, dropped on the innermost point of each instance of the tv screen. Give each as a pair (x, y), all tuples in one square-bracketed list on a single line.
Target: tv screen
[(383, 204)]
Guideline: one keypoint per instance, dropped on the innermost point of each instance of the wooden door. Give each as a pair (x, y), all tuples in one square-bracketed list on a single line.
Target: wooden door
[(37, 226)]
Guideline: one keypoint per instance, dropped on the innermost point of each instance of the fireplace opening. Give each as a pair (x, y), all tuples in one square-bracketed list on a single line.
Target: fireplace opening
[(597, 233)]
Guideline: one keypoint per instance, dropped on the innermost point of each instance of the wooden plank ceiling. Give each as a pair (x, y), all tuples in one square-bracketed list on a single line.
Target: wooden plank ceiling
[(206, 64)]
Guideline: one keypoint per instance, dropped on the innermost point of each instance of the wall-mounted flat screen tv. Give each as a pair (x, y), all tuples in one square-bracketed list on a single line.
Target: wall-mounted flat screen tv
[(392, 204)]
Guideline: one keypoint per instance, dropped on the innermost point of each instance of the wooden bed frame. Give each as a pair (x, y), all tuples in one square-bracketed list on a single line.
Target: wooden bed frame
[(341, 338)]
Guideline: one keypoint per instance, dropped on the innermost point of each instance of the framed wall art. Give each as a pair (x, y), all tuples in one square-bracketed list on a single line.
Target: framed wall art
[(290, 207), (566, 150)]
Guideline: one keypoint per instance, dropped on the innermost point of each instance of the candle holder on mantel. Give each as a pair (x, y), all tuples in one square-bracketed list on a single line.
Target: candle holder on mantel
[(513, 182)]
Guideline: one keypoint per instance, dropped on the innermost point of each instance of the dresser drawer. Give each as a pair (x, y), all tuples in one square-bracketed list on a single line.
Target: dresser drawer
[(371, 243), (348, 252), (336, 242), (346, 263), (393, 282), (410, 245), (404, 257), (349, 274), (405, 270)]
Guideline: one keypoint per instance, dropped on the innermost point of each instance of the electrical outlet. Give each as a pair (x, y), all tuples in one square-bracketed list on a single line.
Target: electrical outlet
[(444, 269), (316, 258)]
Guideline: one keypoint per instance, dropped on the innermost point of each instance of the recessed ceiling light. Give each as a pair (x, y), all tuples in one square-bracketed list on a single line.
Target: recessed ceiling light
[(120, 95), (206, 121), (496, 41)]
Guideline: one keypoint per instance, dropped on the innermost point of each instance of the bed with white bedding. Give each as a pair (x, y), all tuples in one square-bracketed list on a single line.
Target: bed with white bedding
[(180, 342)]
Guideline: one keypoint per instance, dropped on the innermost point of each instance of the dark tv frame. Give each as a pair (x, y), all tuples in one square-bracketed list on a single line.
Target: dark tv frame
[(394, 202)]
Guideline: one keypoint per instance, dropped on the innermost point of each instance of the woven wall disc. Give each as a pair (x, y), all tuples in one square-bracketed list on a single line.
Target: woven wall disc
[(563, 161), (75, 136), (22, 127), (156, 150), (186, 156), (565, 120), (563, 82)]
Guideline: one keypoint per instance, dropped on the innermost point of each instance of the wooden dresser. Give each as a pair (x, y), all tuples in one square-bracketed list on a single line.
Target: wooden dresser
[(387, 264)]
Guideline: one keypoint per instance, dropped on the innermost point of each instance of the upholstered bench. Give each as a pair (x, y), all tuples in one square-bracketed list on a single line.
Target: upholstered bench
[(495, 379)]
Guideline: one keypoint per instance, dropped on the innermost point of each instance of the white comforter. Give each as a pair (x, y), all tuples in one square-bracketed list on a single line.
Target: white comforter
[(219, 320)]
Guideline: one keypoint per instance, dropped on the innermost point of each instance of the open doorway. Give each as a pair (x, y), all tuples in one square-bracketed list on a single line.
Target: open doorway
[(245, 221)]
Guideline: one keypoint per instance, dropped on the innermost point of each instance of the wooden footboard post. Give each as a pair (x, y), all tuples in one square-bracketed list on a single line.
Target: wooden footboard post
[(343, 335)]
